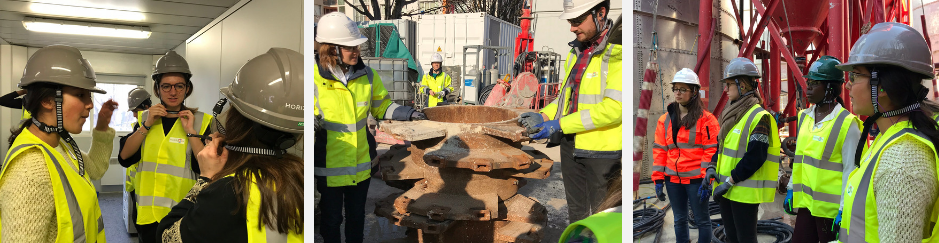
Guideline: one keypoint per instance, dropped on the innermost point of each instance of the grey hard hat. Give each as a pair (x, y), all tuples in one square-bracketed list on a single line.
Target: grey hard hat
[(136, 97), (894, 44), (269, 90), (741, 67), (60, 64), (171, 63)]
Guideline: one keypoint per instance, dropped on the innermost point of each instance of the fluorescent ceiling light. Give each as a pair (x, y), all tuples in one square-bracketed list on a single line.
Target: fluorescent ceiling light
[(83, 28), (87, 12)]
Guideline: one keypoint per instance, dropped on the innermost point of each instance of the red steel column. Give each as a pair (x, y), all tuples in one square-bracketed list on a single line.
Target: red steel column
[(704, 30), (774, 77), (838, 39)]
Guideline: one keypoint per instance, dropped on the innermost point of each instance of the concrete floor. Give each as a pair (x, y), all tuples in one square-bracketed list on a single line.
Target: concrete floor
[(550, 192), (767, 211), (112, 210)]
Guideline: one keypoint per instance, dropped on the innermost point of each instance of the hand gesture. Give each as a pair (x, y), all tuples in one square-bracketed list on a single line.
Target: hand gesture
[(210, 160), (104, 115)]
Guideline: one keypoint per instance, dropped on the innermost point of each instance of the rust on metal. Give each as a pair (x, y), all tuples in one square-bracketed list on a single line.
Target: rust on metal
[(461, 171)]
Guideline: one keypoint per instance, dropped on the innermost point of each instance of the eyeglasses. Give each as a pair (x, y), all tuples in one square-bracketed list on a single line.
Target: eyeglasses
[(350, 48), (810, 82), (681, 90), (580, 19), (852, 76), (178, 87)]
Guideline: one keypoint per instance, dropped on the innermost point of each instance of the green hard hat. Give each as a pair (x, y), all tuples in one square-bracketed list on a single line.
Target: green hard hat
[(825, 69)]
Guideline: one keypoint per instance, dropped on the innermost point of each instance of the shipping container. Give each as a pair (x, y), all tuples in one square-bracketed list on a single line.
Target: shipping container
[(449, 33), (407, 30), (393, 73)]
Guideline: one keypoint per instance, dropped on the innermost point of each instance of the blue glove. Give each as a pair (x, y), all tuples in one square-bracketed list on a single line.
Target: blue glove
[(837, 224), (547, 128), (704, 191), (787, 205), (529, 120), (658, 191)]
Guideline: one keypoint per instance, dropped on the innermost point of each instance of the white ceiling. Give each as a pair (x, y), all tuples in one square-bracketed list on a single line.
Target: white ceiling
[(171, 22)]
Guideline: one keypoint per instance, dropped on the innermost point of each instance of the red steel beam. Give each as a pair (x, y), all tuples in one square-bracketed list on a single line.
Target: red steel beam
[(703, 67), (765, 16), (743, 36)]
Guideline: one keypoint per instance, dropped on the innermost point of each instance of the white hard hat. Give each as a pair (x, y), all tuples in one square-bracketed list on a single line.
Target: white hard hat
[(686, 76), (336, 28), (436, 58), (574, 8)]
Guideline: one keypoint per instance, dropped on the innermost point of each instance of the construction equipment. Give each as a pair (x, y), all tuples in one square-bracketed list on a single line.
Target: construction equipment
[(472, 79), (462, 171)]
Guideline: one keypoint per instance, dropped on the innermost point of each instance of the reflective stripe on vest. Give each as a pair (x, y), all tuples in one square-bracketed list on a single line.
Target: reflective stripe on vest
[(80, 219), (258, 232), (817, 169), (761, 186), (164, 173), (860, 222), (348, 161), (692, 135), (592, 91), (443, 81), (131, 175)]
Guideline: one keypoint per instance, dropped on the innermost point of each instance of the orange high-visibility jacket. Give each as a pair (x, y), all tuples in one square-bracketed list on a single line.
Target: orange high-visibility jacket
[(687, 158)]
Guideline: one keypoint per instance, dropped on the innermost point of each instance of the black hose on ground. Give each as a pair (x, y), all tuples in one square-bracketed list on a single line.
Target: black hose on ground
[(782, 231), (648, 220)]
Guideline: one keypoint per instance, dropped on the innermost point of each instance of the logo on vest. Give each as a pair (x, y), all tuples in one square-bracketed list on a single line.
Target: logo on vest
[(849, 190), (178, 140), (818, 138), (591, 75), (737, 130)]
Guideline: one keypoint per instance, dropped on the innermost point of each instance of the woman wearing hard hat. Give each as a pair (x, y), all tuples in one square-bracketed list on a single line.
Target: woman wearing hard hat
[(746, 163), (437, 82), (345, 92), (138, 100), (45, 179), (165, 143), (245, 167), (828, 136), (685, 137), (892, 196)]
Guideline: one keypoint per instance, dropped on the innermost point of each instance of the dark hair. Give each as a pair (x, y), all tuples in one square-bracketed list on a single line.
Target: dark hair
[(145, 104), (268, 172), (905, 88), (754, 86), (32, 102), (158, 78), (695, 109), (836, 90)]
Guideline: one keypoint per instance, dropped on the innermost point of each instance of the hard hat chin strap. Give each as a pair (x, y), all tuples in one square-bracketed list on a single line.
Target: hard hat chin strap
[(279, 153), (60, 129)]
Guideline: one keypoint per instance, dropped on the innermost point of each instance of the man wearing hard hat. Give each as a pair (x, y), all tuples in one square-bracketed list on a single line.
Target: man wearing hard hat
[(586, 119), (437, 82)]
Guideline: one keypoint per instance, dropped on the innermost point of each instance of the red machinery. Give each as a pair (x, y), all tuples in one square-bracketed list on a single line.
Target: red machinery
[(831, 26), (534, 81)]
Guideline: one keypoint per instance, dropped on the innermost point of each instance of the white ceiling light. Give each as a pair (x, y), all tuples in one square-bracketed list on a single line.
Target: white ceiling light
[(86, 12), (84, 28)]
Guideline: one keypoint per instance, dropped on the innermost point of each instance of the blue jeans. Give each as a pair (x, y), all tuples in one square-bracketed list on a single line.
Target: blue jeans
[(680, 195)]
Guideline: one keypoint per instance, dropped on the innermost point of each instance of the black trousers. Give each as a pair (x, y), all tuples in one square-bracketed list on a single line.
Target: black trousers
[(334, 200), (586, 180), (739, 220), (812, 229)]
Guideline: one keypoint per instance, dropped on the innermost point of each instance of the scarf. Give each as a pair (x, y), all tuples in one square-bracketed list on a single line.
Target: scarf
[(733, 113)]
